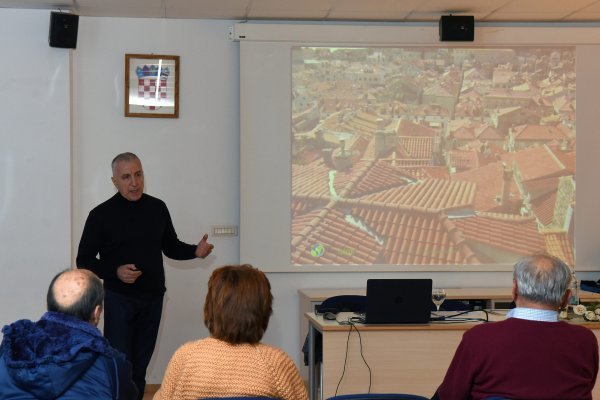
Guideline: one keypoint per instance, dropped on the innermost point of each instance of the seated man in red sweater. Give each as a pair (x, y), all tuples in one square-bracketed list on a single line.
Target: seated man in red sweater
[(530, 355)]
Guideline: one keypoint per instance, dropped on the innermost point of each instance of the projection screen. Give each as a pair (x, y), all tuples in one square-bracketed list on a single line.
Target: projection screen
[(361, 152)]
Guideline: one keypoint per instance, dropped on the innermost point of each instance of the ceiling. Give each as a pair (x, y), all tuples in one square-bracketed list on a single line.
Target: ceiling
[(328, 10)]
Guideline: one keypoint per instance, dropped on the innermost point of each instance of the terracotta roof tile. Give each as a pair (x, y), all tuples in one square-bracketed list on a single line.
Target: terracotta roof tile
[(536, 162), (463, 159), (559, 245), (400, 214), (379, 176), (311, 179), (458, 123), (422, 239), (407, 128), (566, 157), (464, 133), (541, 187), (489, 181), (416, 147), (301, 206), (537, 132), (543, 207), (430, 194), (405, 220), (487, 132), (512, 234), (391, 235), (342, 242), (433, 172)]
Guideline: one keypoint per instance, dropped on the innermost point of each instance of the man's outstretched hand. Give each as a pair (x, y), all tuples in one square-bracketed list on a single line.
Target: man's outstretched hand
[(204, 248)]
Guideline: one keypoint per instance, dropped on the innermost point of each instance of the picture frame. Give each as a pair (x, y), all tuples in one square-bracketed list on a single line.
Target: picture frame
[(144, 74)]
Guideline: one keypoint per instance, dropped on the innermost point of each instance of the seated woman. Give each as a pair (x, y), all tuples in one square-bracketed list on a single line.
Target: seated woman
[(232, 361)]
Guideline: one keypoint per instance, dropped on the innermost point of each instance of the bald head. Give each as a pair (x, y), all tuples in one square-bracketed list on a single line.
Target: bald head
[(77, 293), (70, 286)]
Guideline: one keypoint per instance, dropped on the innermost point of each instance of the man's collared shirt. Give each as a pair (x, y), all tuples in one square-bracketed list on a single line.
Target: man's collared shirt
[(533, 314)]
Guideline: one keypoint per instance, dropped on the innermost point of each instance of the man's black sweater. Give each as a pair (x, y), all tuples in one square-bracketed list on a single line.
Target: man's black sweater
[(131, 232)]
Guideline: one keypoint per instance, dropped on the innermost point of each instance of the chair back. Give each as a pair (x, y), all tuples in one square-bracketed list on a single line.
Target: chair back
[(379, 396)]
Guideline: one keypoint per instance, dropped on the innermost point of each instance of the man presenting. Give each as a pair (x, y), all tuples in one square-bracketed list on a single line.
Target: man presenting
[(130, 232), (530, 355)]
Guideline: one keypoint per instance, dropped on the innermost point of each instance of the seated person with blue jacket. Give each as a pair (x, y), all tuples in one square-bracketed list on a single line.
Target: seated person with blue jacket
[(63, 355)]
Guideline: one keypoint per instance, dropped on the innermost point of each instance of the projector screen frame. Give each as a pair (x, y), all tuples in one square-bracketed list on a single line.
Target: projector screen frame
[(265, 191)]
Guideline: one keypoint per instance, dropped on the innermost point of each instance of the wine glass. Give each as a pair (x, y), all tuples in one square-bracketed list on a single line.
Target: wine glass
[(438, 296)]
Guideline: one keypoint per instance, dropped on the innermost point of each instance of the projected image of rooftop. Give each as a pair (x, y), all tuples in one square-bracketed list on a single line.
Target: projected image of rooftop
[(432, 156)]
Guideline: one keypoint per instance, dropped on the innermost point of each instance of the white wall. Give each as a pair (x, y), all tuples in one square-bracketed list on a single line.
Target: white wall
[(192, 163), (35, 187)]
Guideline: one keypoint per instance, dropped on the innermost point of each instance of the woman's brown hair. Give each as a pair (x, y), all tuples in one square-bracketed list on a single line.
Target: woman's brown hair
[(238, 304)]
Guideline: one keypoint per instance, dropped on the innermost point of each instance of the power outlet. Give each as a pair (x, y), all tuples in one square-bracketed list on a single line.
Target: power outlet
[(225, 230)]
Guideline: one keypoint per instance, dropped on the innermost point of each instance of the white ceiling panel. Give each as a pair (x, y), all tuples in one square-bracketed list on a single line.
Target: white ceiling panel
[(368, 10), (210, 9), (538, 10), (376, 5), (464, 7), (525, 17), (127, 8), (283, 9), (368, 15), (435, 16), (289, 9), (66, 5), (533, 6)]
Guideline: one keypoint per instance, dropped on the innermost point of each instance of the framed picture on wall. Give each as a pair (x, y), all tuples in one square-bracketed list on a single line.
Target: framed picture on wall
[(151, 86)]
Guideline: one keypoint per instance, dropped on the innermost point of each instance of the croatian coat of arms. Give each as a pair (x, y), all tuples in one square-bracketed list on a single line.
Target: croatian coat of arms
[(152, 85)]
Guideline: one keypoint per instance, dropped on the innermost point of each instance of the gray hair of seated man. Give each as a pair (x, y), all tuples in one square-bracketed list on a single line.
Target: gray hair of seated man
[(542, 279)]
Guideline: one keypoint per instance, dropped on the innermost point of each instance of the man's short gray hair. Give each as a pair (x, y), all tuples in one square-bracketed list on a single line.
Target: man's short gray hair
[(542, 279), (128, 156)]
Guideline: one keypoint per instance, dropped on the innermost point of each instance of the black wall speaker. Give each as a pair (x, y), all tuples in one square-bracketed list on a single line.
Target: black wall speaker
[(63, 30), (460, 28)]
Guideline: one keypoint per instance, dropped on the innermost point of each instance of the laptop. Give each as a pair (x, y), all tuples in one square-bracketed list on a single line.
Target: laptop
[(398, 301)]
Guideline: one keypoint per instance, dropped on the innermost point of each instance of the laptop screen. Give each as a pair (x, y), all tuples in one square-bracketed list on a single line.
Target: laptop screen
[(398, 301)]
